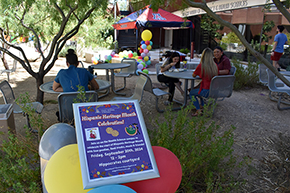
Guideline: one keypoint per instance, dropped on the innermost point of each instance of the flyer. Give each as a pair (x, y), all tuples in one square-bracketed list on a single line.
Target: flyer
[(113, 143)]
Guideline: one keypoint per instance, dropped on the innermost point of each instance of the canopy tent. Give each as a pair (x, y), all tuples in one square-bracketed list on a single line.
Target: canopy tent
[(148, 18)]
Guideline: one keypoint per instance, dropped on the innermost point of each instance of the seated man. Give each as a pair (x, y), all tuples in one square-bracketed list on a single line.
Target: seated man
[(67, 80)]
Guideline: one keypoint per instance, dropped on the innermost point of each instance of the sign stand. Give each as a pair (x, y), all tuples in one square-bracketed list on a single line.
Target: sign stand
[(113, 143)]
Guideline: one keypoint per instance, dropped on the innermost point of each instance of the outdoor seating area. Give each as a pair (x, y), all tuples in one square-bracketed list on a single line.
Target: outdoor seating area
[(145, 97)]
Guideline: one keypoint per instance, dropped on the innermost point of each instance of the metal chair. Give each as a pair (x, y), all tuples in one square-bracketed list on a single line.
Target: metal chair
[(9, 98), (139, 90), (158, 68), (82, 64), (233, 70), (155, 91), (280, 90), (127, 72), (8, 71), (263, 78), (221, 87), (65, 101)]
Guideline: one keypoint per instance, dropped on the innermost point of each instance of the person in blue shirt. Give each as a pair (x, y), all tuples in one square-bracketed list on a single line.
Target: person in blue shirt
[(67, 80), (278, 47)]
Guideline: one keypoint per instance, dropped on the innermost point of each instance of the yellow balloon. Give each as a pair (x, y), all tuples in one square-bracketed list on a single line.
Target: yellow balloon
[(63, 171), (146, 35), (149, 47), (146, 58)]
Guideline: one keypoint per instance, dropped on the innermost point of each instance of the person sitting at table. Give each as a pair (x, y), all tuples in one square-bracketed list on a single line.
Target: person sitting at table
[(171, 63), (223, 62), (206, 70), (67, 80)]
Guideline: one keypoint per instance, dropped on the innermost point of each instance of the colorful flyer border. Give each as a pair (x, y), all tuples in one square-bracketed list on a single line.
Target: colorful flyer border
[(113, 143)]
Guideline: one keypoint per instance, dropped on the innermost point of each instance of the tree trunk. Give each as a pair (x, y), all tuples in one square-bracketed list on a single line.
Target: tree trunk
[(4, 61), (40, 94)]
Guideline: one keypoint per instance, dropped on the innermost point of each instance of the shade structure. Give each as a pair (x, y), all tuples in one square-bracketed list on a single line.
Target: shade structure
[(148, 18)]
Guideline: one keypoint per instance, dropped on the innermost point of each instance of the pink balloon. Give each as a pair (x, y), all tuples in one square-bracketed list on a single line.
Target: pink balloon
[(170, 174), (145, 51)]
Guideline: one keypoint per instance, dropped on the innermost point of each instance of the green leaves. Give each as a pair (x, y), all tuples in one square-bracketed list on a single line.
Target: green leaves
[(204, 152)]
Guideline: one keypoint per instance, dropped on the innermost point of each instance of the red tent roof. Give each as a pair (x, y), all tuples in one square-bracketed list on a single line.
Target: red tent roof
[(148, 18)]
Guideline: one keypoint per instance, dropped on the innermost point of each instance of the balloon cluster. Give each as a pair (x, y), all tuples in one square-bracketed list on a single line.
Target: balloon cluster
[(62, 173), (146, 45), (95, 59), (128, 54), (108, 58)]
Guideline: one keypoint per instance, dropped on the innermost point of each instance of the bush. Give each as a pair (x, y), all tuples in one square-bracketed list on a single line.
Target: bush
[(246, 76), (19, 165), (223, 46), (206, 157), (184, 50)]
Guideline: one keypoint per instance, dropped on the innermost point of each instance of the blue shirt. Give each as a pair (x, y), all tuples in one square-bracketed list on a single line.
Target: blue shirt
[(73, 76), (281, 39)]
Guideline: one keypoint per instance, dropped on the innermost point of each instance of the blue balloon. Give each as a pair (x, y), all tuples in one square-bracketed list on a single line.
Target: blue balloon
[(148, 62), (112, 189), (137, 71), (144, 46), (151, 43), (142, 42), (56, 137), (109, 57)]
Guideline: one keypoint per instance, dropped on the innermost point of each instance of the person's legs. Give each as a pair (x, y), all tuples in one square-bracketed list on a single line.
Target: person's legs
[(275, 57), (171, 85), (193, 96), (203, 93), (178, 86)]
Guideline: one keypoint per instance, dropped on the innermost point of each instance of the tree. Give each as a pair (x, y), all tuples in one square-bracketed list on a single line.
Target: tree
[(48, 23), (209, 24), (202, 5)]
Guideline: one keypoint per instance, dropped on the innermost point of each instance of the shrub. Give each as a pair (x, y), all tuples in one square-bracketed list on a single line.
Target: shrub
[(19, 165), (206, 157), (246, 76), (184, 50)]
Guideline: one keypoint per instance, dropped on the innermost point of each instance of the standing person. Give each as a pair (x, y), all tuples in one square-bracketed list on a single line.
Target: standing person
[(67, 80), (223, 62), (171, 63), (206, 70), (278, 47)]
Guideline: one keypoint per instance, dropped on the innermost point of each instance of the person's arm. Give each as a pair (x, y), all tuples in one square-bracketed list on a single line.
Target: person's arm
[(224, 72), (274, 46), (167, 67), (226, 66), (57, 87), (94, 84), (194, 75)]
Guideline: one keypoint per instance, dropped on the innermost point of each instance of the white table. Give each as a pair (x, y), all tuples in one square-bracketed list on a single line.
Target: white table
[(103, 85), (111, 67), (186, 75)]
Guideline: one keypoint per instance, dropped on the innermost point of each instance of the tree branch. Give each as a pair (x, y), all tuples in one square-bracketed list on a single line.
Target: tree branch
[(240, 36), (27, 67), (58, 45), (282, 9)]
